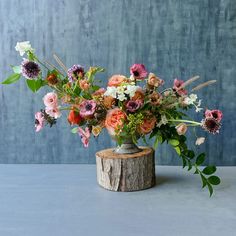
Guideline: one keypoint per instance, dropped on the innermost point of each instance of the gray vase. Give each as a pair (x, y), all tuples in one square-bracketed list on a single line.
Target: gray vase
[(127, 147)]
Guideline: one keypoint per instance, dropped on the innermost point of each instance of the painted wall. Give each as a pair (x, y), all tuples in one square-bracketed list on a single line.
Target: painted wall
[(173, 38)]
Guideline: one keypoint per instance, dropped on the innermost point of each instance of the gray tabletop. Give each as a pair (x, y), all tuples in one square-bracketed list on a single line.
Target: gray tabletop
[(42, 200)]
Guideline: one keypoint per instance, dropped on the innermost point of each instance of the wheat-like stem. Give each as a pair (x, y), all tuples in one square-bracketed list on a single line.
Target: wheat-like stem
[(200, 86), (60, 63)]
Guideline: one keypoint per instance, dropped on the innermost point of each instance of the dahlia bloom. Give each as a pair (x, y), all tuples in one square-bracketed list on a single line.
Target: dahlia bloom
[(50, 100), (217, 114), (75, 72), (138, 95), (23, 47), (133, 106), (39, 121), (211, 125), (116, 80), (87, 108), (85, 135), (30, 69), (147, 126), (177, 84), (114, 120), (138, 71)]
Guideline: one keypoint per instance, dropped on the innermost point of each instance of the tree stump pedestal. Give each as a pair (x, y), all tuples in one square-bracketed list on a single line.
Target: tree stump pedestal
[(126, 172)]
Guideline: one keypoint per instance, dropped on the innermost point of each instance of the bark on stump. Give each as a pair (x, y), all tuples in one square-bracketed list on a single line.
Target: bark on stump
[(126, 172)]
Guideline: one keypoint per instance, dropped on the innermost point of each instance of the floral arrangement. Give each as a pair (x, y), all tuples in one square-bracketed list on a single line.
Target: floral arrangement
[(136, 106)]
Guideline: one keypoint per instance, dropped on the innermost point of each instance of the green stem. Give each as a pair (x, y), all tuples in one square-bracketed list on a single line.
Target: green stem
[(187, 121)]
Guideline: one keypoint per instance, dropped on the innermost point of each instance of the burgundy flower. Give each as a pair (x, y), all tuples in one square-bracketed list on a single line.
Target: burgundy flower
[(133, 106), (217, 114), (87, 108), (211, 125), (30, 69), (75, 72), (177, 87), (138, 71)]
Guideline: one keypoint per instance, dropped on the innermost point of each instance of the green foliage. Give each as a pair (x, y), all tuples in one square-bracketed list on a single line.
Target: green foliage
[(34, 85), (12, 79)]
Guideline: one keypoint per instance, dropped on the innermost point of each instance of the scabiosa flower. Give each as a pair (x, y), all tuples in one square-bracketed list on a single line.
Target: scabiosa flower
[(75, 72), (177, 87), (217, 114), (138, 71), (87, 108), (133, 106), (211, 125), (39, 121), (30, 69)]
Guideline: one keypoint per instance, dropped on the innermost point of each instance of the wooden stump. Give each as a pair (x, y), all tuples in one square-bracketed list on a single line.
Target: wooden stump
[(126, 172)]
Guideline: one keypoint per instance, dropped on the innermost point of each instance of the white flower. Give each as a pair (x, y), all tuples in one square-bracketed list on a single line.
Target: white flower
[(198, 108), (163, 121), (121, 97), (111, 91), (23, 47), (190, 99), (200, 141), (131, 89)]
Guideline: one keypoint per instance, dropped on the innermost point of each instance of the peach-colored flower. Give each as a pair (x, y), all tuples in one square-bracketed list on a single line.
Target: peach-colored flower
[(154, 81), (139, 95), (50, 100), (148, 125), (155, 98), (116, 80), (109, 101), (114, 120), (99, 92), (181, 128), (84, 84)]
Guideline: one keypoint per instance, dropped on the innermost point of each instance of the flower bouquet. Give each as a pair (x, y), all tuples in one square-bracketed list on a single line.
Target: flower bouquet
[(130, 107)]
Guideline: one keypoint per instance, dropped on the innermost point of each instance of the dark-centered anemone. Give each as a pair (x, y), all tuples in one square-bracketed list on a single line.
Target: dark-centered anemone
[(211, 125)]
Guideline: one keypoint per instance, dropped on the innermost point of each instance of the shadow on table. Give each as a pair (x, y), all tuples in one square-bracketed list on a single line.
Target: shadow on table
[(168, 179)]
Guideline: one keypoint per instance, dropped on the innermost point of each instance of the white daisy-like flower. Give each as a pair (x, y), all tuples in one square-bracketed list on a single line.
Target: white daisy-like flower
[(111, 91), (121, 97), (131, 89), (191, 99), (23, 47)]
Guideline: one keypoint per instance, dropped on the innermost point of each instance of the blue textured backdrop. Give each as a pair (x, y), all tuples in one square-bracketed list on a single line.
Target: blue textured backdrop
[(173, 38)]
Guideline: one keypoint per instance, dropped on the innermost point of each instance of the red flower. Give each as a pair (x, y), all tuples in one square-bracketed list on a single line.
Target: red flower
[(74, 118)]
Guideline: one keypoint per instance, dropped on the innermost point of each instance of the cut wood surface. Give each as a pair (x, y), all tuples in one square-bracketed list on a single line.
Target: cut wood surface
[(126, 172)]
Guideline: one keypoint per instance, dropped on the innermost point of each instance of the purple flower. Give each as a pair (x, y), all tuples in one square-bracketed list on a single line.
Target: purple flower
[(133, 106), (211, 125), (75, 72), (87, 108), (30, 69)]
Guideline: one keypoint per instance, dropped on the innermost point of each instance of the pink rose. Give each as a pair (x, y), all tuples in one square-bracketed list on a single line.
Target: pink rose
[(39, 121), (217, 114), (181, 128), (53, 112), (50, 100), (177, 87), (138, 71), (116, 80)]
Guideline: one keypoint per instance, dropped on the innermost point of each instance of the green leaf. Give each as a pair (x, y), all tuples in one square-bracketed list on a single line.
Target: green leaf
[(215, 180), (189, 153), (210, 189), (177, 149), (189, 165), (184, 162), (16, 69), (12, 79), (74, 130), (204, 180), (200, 159), (209, 170), (34, 85), (155, 145), (174, 142)]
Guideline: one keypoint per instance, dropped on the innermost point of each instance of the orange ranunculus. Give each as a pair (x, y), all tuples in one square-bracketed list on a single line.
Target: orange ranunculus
[(147, 126), (109, 101), (114, 120), (74, 118), (116, 80), (139, 95), (84, 84)]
